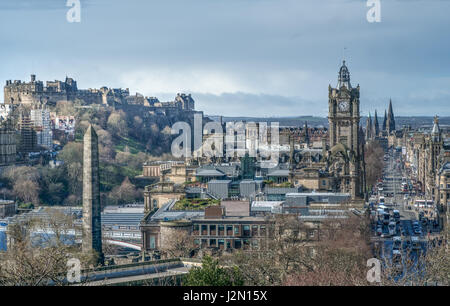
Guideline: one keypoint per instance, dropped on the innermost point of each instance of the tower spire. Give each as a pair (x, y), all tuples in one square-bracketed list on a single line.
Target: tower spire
[(436, 131), (376, 125), (390, 123), (344, 77)]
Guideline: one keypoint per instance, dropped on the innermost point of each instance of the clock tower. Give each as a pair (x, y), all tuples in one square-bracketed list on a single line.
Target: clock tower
[(344, 140), (343, 114)]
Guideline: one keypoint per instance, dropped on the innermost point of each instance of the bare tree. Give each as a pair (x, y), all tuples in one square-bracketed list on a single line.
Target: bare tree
[(36, 260), (117, 124), (178, 244), (302, 253), (374, 154)]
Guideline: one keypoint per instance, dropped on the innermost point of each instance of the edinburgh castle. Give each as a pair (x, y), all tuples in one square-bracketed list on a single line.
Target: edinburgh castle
[(35, 93)]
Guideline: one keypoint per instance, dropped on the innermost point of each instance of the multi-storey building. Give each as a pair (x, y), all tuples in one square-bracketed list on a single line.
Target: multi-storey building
[(428, 155), (28, 139), (8, 146), (41, 121)]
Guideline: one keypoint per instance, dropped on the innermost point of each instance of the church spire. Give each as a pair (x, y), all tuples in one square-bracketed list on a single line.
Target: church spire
[(390, 123), (376, 125)]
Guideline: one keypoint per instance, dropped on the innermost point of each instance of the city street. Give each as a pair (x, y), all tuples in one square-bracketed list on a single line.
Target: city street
[(404, 237)]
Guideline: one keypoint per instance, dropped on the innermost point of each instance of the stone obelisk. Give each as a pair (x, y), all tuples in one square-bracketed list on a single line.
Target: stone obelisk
[(92, 229)]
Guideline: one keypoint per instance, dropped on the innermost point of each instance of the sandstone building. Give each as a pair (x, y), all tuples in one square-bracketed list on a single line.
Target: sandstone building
[(345, 155)]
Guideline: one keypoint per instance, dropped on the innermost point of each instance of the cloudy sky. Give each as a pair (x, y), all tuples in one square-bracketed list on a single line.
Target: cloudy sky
[(238, 57)]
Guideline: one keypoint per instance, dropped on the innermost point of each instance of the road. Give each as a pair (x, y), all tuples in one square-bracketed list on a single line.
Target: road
[(391, 189)]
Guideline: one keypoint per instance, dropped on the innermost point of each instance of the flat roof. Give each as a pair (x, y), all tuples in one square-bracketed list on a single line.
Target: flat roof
[(266, 203), (220, 181), (317, 194), (234, 218)]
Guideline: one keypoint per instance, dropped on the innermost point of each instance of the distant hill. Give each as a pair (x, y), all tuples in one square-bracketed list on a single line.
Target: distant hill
[(414, 121), (284, 121)]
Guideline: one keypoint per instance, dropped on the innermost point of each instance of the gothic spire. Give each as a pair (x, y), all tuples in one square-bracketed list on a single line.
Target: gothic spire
[(390, 123), (376, 125), (306, 133)]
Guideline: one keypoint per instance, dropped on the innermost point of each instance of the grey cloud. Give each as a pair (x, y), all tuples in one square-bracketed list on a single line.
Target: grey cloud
[(22, 5), (240, 104), (253, 39)]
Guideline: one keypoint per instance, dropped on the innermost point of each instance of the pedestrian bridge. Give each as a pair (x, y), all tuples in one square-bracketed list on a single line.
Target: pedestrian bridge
[(152, 272)]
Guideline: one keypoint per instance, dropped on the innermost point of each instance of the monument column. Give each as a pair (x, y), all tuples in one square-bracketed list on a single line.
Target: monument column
[(92, 229)]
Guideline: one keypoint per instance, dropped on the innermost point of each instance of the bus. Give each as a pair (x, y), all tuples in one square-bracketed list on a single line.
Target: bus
[(424, 203)]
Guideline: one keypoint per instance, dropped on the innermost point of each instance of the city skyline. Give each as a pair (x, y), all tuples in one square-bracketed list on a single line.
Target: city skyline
[(273, 58), (224, 143)]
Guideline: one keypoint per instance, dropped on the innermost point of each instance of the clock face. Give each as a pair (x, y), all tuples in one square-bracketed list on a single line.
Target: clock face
[(343, 106)]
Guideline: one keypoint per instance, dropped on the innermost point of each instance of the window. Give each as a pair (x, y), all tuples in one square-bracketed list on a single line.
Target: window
[(255, 230), (255, 243), (221, 230), (262, 230), (246, 230), (221, 244), (212, 230), (237, 244), (236, 229), (152, 242), (246, 243), (212, 242)]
